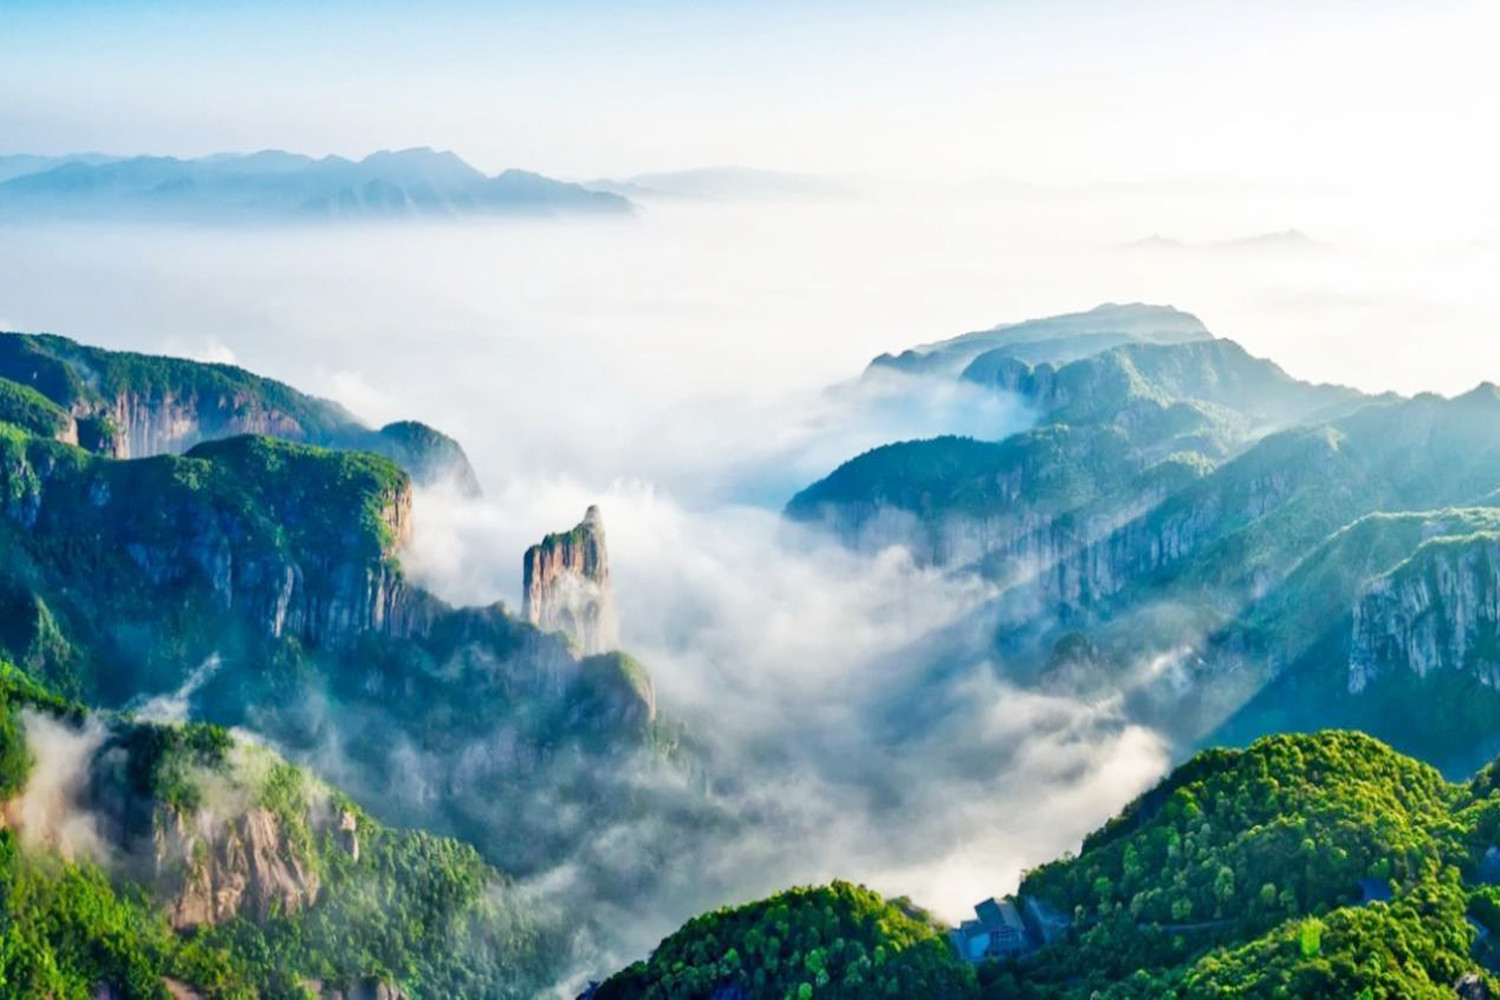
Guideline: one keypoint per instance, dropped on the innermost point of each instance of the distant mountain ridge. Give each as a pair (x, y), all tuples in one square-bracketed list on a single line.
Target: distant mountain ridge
[(277, 185), (1228, 549), (1054, 339)]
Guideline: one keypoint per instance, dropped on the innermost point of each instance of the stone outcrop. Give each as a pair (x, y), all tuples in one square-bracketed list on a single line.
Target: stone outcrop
[(349, 834), (244, 865), (1470, 986), (567, 586)]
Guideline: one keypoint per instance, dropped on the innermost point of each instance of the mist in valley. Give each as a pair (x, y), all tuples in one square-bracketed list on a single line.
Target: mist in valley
[(690, 368)]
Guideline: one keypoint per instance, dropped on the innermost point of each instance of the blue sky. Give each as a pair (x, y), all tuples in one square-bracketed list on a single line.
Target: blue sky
[(1076, 90)]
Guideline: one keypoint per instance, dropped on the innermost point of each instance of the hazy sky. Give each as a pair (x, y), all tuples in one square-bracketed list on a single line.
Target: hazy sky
[(1365, 95)]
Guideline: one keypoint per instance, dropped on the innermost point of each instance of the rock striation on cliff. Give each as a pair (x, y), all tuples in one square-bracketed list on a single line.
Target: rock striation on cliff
[(1439, 610), (245, 864), (567, 587)]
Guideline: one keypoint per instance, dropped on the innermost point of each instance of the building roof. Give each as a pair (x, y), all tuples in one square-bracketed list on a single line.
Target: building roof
[(1000, 914)]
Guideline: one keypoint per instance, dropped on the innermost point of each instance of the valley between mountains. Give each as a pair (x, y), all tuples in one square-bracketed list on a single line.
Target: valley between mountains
[(245, 750)]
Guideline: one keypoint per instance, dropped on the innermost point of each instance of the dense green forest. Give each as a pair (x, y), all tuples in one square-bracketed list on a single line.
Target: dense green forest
[(841, 940), (1322, 865), (421, 912)]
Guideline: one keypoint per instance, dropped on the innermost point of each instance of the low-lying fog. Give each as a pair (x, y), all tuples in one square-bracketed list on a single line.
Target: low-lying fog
[(673, 368)]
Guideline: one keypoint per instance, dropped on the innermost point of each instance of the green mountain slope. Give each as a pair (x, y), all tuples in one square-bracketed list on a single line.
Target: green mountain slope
[(1274, 563), (262, 579), (1323, 865), (1115, 430), (1389, 627), (838, 941), (1192, 530), (131, 405), (147, 858)]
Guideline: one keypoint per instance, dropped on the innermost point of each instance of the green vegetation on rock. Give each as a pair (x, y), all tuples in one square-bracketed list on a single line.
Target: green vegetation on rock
[(840, 940), (1321, 865), (140, 405), (264, 575), (29, 410), (1235, 844), (183, 554), (424, 913), (65, 930)]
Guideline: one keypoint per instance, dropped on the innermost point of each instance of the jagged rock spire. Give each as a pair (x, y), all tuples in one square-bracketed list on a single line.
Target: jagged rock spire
[(567, 586)]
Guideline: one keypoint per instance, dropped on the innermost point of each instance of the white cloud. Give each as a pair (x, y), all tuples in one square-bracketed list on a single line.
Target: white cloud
[(52, 812)]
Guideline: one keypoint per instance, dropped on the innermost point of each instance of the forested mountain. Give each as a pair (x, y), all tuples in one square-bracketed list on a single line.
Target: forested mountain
[(129, 405), (1176, 528), (256, 581), (1325, 865), (839, 940), (146, 859), (1187, 535)]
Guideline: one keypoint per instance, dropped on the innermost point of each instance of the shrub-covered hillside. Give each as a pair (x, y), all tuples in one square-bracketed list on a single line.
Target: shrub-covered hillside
[(838, 941), (133, 405), (1323, 865), (214, 865), (1252, 870)]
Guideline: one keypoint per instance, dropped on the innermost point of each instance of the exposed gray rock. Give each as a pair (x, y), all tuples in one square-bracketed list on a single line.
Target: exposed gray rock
[(1438, 610), (1470, 986)]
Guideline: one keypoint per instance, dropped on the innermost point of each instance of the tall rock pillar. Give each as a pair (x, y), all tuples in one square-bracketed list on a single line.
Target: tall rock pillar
[(567, 588)]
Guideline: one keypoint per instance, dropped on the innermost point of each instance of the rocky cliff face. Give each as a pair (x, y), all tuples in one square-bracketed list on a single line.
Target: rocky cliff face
[(325, 591), (567, 586), (321, 602), (1440, 610), (1261, 513), (242, 865), (265, 548), (169, 424)]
